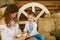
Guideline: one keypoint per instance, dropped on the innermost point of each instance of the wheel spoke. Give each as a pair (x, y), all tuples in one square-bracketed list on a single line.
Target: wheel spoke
[(41, 13), (25, 13), (23, 22), (33, 9)]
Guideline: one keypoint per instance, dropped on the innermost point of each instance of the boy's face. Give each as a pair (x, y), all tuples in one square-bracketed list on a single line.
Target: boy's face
[(30, 18)]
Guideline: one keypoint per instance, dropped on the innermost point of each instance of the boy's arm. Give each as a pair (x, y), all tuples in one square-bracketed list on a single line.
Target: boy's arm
[(34, 29)]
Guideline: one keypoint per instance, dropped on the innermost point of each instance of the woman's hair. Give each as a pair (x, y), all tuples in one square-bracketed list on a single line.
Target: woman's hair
[(7, 14)]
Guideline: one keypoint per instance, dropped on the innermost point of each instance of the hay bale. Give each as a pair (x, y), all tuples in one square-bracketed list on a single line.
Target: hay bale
[(57, 23), (3, 9), (54, 15), (45, 26), (56, 20), (51, 38), (1, 14)]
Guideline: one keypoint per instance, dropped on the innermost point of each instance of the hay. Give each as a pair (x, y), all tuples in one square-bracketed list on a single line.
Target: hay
[(45, 26), (54, 15), (51, 38), (57, 23), (56, 20), (1, 14)]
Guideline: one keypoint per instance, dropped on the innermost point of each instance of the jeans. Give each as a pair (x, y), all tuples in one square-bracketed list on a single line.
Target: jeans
[(39, 37)]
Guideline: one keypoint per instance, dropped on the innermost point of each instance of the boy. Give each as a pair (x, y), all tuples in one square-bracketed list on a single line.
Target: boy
[(31, 28)]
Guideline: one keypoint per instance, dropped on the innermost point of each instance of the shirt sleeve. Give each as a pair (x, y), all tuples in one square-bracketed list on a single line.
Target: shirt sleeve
[(4, 34), (25, 29), (34, 29)]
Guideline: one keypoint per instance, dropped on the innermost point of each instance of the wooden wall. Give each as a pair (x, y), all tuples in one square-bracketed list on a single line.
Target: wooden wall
[(53, 7)]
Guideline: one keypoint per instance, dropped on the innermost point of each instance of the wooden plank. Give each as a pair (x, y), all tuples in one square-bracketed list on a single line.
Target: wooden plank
[(49, 3)]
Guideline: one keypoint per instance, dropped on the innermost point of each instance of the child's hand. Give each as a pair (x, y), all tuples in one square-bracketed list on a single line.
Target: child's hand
[(27, 36), (21, 38), (16, 39)]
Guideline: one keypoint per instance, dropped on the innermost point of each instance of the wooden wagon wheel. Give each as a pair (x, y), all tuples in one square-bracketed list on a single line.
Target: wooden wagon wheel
[(33, 5)]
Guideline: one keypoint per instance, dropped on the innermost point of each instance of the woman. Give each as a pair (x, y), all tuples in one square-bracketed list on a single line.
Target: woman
[(9, 27)]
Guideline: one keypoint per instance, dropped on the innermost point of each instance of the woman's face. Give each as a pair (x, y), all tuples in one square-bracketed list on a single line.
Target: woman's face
[(13, 15)]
